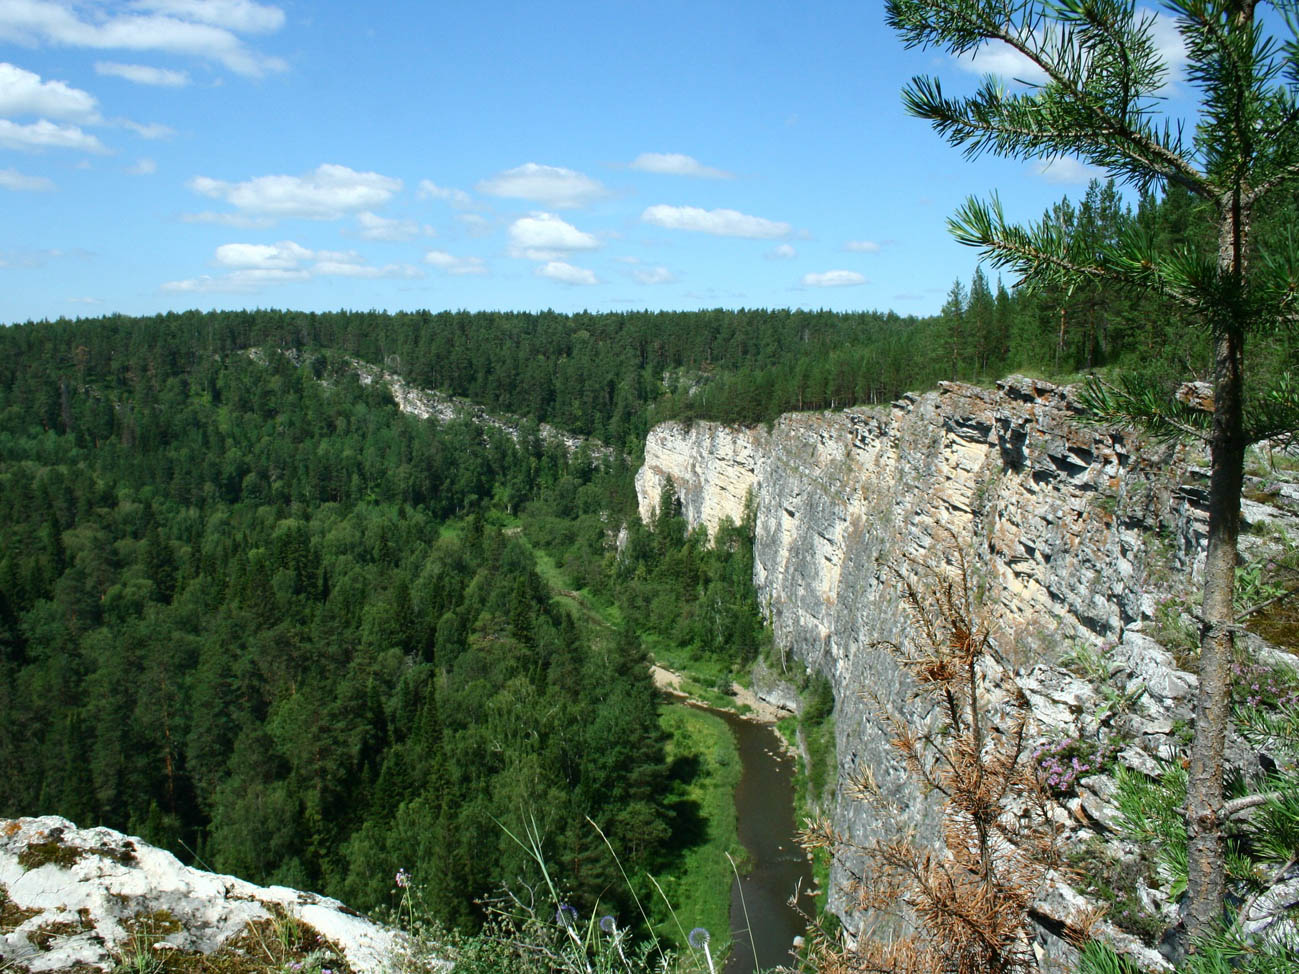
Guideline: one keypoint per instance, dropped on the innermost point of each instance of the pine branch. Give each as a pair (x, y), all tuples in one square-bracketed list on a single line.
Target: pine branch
[(1114, 139), (1136, 404)]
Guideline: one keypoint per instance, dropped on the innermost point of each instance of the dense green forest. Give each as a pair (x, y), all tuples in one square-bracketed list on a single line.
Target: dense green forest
[(252, 611)]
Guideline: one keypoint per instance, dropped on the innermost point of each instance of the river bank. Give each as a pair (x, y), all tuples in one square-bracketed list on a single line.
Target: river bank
[(758, 710), (763, 925)]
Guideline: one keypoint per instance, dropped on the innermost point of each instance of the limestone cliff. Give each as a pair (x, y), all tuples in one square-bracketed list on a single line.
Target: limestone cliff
[(1078, 535), (94, 899)]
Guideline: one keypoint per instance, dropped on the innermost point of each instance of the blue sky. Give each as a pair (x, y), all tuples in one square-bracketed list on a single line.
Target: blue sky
[(172, 154)]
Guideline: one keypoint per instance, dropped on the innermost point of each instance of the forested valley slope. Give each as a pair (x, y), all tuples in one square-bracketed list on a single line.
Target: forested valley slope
[(255, 613)]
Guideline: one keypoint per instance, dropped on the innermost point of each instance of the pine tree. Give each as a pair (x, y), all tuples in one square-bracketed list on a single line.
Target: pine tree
[(1103, 78), (1103, 75)]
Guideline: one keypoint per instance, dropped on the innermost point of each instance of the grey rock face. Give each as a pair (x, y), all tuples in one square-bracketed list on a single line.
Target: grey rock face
[(1077, 536), (81, 898)]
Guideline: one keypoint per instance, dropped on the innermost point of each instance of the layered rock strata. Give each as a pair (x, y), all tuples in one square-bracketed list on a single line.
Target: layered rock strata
[(1077, 539)]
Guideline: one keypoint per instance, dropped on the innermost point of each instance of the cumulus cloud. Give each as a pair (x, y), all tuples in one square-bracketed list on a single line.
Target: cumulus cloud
[(653, 275), (833, 279), (141, 74), (375, 227), (328, 193), (544, 236), (723, 223), (200, 29), (1068, 170), (782, 252), (278, 256), (23, 92), (254, 266), (429, 190), (862, 246), (144, 166), (676, 164), (1169, 44), (47, 135), (555, 186), (12, 179), (451, 264), (558, 270), (1000, 59)]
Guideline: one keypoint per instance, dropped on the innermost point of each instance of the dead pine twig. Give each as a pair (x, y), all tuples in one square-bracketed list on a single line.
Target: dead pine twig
[(963, 901)]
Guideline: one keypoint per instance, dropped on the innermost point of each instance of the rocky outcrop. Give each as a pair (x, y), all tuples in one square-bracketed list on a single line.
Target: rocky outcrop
[(1077, 538), (1064, 519), (83, 899)]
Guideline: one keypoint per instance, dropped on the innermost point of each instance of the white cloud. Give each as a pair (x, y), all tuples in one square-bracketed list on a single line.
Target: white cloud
[(552, 185), (429, 190), (47, 135), (782, 252), (1169, 44), (833, 279), (862, 246), (343, 268), (141, 74), (239, 282), (237, 15), (23, 92), (653, 275), (723, 223), (1003, 61), (279, 256), (450, 264), (20, 182), (227, 220), (1068, 170), (152, 130), (475, 225), (375, 227), (544, 236), (203, 30), (144, 166), (676, 164), (254, 266), (328, 193), (557, 270)]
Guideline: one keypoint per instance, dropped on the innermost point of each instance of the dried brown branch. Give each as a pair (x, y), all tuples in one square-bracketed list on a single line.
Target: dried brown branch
[(965, 902)]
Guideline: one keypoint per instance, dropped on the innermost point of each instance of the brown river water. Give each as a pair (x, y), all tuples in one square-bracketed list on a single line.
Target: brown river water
[(764, 805)]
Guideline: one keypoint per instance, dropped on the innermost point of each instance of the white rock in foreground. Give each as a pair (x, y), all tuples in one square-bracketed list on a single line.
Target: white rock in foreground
[(71, 897)]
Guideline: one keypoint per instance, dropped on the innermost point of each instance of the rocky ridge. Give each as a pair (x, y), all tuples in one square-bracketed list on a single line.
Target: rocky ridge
[(1085, 543), (93, 899)]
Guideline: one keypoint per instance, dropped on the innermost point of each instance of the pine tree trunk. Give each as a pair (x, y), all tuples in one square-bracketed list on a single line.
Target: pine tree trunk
[(1204, 799), (1204, 788)]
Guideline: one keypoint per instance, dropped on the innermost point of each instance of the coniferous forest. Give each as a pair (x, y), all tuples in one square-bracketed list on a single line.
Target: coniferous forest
[(253, 612)]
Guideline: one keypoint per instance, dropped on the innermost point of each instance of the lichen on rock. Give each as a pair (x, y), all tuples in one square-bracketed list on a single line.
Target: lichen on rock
[(75, 898)]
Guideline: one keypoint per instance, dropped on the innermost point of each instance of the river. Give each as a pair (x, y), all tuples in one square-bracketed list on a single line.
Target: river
[(764, 806)]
